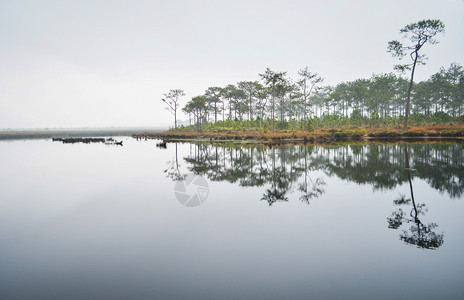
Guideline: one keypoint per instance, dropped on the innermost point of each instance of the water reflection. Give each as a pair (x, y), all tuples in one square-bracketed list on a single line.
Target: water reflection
[(88, 221), (423, 236), (173, 170), (314, 188), (380, 165), (297, 169)]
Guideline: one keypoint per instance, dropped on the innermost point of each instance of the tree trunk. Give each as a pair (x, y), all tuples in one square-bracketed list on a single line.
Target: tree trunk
[(304, 115), (272, 113), (250, 115), (408, 98), (282, 113), (175, 120), (230, 109)]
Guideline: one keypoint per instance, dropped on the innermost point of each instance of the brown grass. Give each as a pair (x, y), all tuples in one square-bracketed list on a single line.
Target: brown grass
[(320, 135)]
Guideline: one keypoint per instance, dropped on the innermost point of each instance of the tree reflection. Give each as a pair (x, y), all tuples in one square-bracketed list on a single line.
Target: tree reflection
[(312, 190), (280, 182), (287, 169), (274, 195), (418, 234), (282, 171), (173, 170), (278, 168)]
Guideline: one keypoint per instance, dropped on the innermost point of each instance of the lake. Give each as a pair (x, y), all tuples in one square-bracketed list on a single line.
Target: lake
[(196, 221)]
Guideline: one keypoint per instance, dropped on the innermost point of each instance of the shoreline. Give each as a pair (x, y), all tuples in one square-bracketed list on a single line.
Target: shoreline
[(333, 135), (445, 133)]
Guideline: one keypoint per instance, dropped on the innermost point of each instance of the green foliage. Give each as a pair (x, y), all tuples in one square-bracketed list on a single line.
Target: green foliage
[(375, 119), (440, 117), (326, 121), (265, 127), (356, 117), (417, 119), (277, 104)]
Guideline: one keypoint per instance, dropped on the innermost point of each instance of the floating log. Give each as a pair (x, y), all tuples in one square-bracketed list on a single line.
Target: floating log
[(79, 140), (161, 145), (109, 141)]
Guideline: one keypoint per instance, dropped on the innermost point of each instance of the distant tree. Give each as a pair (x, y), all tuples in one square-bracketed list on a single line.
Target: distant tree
[(261, 101), (421, 97), (273, 80), (250, 88), (188, 110), (228, 94), (359, 93), (213, 97), (307, 83), (172, 101), (239, 102), (341, 97), (382, 93), (198, 106), (293, 102), (454, 77), (401, 88), (419, 34), (321, 100), (439, 91), (284, 92)]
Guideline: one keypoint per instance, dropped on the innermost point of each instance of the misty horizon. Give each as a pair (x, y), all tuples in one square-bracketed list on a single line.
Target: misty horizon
[(85, 64)]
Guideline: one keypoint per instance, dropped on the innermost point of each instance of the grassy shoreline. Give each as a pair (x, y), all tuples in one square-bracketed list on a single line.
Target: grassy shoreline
[(435, 133)]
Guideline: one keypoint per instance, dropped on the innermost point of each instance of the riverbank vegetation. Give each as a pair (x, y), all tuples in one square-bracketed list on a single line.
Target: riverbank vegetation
[(343, 133), (375, 102), (303, 106)]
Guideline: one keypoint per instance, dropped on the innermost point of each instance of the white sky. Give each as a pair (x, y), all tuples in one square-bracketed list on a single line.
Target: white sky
[(107, 63)]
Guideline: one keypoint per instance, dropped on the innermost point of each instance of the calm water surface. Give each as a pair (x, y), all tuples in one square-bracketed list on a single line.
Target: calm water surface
[(108, 222)]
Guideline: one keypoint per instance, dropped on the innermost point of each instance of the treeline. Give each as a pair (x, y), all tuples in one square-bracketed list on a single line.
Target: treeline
[(279, 102)]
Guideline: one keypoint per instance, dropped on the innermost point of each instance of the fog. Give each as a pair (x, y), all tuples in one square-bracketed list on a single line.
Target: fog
[(107, 63)]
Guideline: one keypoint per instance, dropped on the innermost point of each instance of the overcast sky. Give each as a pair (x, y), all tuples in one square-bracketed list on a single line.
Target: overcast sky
[(107, 63)]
